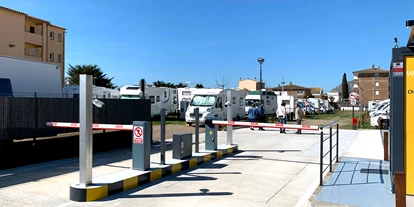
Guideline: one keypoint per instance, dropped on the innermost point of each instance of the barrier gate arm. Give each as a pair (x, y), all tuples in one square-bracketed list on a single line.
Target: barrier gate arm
[(267, 125), (94, 126)]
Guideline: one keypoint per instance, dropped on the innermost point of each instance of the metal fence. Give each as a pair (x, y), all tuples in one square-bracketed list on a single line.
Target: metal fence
[(26, 117), (322, 155)]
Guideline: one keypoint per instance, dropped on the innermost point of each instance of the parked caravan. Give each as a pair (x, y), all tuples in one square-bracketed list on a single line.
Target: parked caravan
[(319, 105), (185, 94), (269, 98), (27, 78), (211, 102), (97, 92), (161, 97)]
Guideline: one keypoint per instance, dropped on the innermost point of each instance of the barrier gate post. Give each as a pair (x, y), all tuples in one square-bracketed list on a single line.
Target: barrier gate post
[(85, 130), (141, 145), (210, 134), (229, 118)]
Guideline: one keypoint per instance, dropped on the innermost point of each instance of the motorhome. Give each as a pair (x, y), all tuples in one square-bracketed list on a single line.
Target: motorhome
[(160, 97), (378, 106), (319, 105), (213, 103), (72, 91), (269, 99), (289, 101), (27, 78)]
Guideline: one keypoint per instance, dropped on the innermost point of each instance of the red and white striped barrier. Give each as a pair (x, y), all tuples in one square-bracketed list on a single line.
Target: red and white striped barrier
[(266, 125), (94, 126)]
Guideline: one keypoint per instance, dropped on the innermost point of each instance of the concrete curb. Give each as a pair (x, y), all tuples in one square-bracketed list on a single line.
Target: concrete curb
[(134, 178)]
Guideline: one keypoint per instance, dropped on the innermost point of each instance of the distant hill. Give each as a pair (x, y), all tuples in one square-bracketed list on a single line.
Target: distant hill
[(339, 87)]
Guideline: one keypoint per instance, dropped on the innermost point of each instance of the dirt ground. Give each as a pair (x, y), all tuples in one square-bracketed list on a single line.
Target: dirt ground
[(171, 129)]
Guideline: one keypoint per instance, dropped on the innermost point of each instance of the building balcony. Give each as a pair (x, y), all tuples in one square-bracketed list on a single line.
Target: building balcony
[(33, 38), (355, 77), (37, 57)]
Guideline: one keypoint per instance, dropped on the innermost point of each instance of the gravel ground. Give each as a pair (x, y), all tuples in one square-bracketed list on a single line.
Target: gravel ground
[(171, 129)]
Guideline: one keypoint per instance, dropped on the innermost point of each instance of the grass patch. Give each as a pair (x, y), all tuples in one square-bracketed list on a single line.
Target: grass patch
[(169, 120)]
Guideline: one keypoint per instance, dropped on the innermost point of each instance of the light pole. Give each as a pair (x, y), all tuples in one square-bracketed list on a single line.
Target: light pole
[(260, 60)]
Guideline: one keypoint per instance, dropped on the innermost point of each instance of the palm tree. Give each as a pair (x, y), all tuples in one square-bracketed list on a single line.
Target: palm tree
[(100, 78)]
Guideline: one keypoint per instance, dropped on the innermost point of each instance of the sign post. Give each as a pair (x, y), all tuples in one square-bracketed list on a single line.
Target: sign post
[(353, 96)]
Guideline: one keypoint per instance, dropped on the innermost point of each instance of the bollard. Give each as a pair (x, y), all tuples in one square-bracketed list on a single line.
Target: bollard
[(385, 145), (210, 134), (400, 188), (197, 129), (141, 145), (162, 147)]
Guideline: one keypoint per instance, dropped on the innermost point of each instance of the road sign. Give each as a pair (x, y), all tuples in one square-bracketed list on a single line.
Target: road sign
[(353, 102), (138, 134), (397, 69), (353, 95), (354, 121)]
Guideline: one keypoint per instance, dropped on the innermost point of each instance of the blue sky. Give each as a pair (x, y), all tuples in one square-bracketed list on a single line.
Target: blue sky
[(311, 43)]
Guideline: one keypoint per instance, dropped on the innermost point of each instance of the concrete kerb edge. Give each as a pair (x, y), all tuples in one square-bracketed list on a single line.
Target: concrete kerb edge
[(96, 192)]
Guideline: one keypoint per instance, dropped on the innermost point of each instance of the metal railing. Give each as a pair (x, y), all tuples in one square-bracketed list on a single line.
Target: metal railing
[(322, 155)]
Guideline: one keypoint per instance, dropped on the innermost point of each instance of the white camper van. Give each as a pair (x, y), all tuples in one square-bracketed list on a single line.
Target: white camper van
[(268, 97), (97, 92), (25, 78), (212, 103), (161, 97), (289, 101)]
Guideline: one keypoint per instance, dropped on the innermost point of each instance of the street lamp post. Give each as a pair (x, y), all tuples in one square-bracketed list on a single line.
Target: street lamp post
[(260, 60)]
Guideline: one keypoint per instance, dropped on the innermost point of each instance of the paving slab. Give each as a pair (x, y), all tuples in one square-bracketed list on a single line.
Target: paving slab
[(272, 169), (361, 178)]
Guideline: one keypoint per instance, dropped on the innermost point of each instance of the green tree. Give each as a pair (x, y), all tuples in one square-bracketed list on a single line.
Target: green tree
[(181, 85), (308, 94), (99, 78), (158, 83), (345, 89), (199, 85)]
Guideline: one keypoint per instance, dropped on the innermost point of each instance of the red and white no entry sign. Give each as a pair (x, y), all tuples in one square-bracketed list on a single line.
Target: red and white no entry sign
[(353, 95)]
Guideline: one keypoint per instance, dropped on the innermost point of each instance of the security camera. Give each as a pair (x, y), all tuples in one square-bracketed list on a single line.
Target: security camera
[(227, 104), (98, 103)]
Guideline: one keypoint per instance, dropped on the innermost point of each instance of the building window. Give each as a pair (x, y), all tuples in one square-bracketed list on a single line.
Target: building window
[(32, 29), (299, 92), (376, 93), (59, 37), (376, 83), (376, 75), (52, 35), (32, 52), (59, 58), (51, 56)]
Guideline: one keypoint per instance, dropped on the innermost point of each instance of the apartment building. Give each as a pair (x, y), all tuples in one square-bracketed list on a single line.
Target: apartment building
[(371, 84), (250, 85), (291, 90), (28, 37)]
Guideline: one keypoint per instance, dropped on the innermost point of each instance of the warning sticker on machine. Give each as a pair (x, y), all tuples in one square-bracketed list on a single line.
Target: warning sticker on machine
[(397, 69)]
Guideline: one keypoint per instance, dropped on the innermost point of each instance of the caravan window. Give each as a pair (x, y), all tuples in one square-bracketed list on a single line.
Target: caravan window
[(152, 98), (241, 101), (249, 102), (158, 98), (234, 100), (267, 102), (203, 100), (165, 94)]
